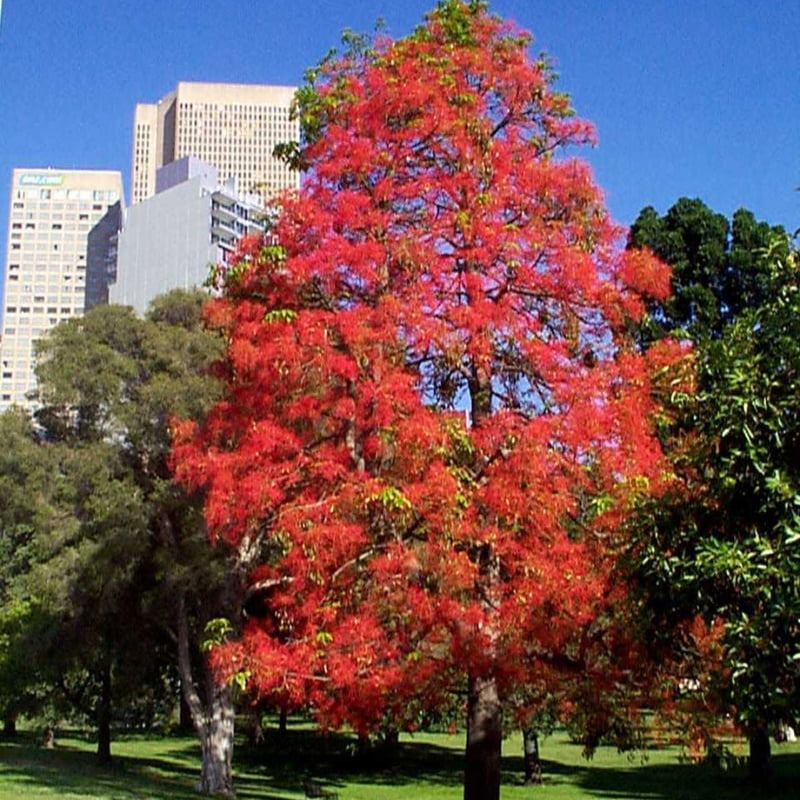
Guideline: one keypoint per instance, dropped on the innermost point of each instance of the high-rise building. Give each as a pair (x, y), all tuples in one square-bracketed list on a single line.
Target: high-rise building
[(232, 127), (51, 216), (169, 240)]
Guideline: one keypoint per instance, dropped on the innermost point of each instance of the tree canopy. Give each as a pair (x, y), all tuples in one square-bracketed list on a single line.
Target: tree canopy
[(716, 270)]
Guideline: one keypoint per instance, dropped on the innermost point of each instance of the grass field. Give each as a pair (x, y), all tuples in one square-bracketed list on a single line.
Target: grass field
[(425, 767)]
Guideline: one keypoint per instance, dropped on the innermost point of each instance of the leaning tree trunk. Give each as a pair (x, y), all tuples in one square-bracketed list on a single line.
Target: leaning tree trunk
[(484, 740), (213, 719)]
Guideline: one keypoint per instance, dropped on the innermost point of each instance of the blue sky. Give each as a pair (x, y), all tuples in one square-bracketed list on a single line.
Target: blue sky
[(690, 98)]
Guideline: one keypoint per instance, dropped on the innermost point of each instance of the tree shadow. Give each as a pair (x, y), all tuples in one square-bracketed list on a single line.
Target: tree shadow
[(691, 781), (553, 772), (284, 761), (276, 770), (68, 770), (71, 770)]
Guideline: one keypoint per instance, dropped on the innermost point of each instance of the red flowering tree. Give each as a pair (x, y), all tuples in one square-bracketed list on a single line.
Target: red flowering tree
[(434, 418)]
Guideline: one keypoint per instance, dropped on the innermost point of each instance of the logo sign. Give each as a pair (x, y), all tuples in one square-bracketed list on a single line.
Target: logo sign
[(37, 179)]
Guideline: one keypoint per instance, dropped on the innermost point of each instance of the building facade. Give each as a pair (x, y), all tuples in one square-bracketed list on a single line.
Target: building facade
[(171, 239), (51, 216), (232, 127), (101, 255)]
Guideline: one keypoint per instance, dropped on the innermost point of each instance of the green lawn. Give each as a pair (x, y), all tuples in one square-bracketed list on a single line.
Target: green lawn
[(425, 767)]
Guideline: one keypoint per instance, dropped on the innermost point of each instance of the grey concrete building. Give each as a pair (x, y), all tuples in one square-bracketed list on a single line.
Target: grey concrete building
[(172, 238)]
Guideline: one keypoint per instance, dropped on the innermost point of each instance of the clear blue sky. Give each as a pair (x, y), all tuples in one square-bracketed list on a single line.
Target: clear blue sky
[(690, 97)]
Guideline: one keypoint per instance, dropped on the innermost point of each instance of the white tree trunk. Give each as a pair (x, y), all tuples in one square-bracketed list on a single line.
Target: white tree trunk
[(216, 737), (213, 720)]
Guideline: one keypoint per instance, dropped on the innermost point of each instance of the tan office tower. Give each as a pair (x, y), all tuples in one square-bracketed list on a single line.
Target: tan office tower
[(232, 127), (52, 213)]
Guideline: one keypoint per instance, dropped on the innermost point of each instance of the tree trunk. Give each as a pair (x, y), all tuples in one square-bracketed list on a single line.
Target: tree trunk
[(484, 708), (484, 740), (104, 717), (283, 721), (391, 738), (216, 739), (213, 720), (532, 762), (10, 725), (185, 723), (760, 754)]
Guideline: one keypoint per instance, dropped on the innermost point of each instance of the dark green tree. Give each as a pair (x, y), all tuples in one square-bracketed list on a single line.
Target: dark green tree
[(72, 553), (111, 378), (88, 575), (132, 564), (716, 269), (29, 512)]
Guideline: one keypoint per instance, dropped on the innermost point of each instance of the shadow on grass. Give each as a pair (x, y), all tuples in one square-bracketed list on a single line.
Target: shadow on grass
[(67, 770), (674, 781), (167, 769), (75, 771), (284, 761)]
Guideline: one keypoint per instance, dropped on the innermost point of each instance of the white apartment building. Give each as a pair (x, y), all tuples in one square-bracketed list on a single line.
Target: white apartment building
[(171, 239), (52, 212), (232, 127)]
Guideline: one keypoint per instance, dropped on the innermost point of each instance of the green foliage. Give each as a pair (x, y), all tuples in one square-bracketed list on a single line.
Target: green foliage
[(392, 499), (727, 542), (217, 631), (454, 16), (31, 511), (280, 315)]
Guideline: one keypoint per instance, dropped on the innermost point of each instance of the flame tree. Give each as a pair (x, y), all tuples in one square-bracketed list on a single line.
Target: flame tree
[(434, 416)]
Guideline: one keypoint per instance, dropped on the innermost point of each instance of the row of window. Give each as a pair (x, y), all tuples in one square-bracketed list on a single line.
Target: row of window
[(26, 288), (236, 109), (53, 291), (48, 245), (245, 128), (26, 331), (95, 195), (56, 211), (36, 310), (54, 226), (65, 273)]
